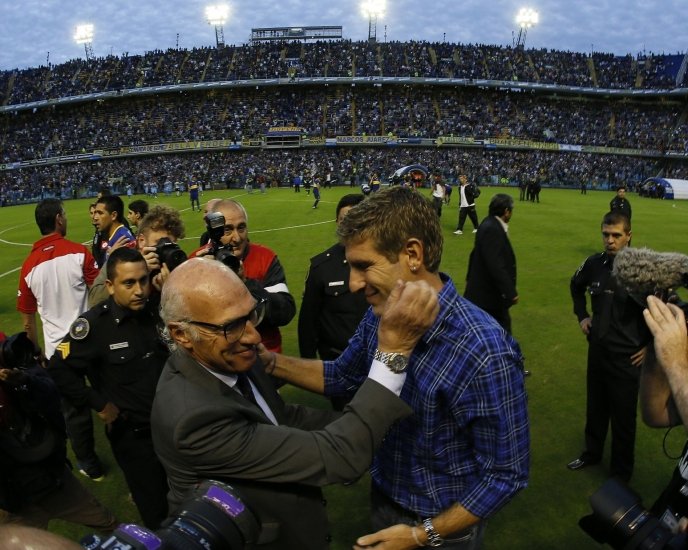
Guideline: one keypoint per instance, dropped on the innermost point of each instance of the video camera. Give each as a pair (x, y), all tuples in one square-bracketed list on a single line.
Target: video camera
[(17, 352), (213, 518), (169, 253), (619, 519), (215, 224)]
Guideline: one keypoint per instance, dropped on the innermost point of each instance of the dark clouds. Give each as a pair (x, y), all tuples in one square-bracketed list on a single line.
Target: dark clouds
[(31, 28)]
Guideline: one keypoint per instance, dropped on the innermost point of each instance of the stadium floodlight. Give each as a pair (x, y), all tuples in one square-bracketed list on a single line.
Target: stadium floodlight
[(372, 9), (217, 15), (84, 35), (525, 19)]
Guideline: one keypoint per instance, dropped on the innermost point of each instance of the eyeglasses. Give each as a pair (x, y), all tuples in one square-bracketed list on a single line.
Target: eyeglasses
[(234, 330)]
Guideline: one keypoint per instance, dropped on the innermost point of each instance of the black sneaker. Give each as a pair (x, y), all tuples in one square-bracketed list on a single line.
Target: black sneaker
[(94, 473)]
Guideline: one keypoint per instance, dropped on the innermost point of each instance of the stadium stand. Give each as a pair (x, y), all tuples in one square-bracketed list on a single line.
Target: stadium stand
[(512, 114)]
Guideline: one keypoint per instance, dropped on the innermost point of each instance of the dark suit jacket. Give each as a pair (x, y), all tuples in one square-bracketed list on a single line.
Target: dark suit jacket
[(491, 279), (203, 429)]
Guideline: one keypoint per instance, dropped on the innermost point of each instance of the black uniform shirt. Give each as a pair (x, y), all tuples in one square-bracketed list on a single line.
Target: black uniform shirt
[(329, 313), (617, 318), (121, 353)]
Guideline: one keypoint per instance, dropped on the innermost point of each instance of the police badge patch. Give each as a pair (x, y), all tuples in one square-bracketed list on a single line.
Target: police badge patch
[(79, 329)]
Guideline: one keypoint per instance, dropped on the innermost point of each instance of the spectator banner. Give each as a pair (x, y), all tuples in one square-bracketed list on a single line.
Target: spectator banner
[(365, 140), (523, 144), (457, 140)]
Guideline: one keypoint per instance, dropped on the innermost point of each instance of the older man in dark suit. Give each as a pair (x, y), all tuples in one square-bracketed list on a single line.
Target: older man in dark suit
[(491, 279), (217, 416)]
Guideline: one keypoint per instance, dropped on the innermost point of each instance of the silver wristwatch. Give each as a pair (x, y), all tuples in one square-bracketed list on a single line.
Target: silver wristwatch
[(434, 538), (396, 362)]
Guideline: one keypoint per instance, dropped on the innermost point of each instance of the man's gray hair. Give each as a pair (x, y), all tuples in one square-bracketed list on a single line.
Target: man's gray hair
[(230, 202), (174, 305)]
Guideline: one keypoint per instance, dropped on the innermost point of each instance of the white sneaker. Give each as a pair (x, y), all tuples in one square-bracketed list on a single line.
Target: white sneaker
[(475, 231), (458, 232)]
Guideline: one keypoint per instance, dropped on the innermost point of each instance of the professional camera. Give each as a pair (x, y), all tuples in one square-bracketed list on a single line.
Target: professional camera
[(215, 224), (213, 518), (17, 352), (169, 253), (619, 519)]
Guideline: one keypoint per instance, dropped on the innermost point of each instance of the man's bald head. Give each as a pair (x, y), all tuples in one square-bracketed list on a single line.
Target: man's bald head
[(197, 282), (210, 205)]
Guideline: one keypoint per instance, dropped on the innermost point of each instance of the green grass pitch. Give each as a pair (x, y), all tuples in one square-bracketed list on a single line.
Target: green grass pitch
[(550, 239)]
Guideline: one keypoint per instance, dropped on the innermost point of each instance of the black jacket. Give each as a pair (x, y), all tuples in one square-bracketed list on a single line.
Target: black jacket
[(617, 318)]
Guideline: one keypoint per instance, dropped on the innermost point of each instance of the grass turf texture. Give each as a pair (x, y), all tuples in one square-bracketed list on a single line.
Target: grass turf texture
[(550, 239)]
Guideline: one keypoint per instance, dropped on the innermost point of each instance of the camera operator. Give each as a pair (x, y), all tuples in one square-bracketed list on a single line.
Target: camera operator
[(161, 222), (260, 270), (36, 484), (664, 398)]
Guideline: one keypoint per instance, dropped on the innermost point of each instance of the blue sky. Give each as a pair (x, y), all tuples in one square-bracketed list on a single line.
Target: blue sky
[(29, 29)]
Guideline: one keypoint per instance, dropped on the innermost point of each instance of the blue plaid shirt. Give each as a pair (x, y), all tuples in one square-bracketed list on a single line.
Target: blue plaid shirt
[(468, 440)]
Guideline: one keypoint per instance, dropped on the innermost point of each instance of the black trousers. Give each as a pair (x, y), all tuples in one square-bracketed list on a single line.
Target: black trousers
[(145, 475), (470, 212), (612, 393), (80, 432)]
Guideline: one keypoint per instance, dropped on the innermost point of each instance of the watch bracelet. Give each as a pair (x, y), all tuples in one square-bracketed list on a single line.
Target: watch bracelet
[(434, 538)]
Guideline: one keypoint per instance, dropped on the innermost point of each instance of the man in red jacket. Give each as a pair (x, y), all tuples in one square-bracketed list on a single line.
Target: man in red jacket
[(260, 269)]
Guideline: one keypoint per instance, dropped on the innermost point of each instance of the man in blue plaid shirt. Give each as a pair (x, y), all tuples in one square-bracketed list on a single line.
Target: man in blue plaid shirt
[(464, 452)]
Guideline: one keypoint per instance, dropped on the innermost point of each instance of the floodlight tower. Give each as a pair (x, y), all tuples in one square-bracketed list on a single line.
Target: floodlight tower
[(372, 9), (526, 18), (84, 35), (216, 15)]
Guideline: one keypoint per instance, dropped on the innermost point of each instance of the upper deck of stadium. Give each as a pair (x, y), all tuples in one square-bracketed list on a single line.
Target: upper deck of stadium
[(338, 60)]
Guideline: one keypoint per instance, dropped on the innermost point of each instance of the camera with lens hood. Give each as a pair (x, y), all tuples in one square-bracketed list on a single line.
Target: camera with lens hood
[(214, 517), (620, 520), (215, 224)]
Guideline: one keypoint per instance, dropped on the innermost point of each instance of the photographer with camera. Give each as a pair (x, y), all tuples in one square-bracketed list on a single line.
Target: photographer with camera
[(258, 266), (116, 345), (159, 231), (36, 483), (619, 517), (664, 398)]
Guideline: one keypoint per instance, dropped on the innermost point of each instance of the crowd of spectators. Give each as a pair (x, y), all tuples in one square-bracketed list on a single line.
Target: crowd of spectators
[(326, 112), (404, 110), (341, 58), (347, 166)]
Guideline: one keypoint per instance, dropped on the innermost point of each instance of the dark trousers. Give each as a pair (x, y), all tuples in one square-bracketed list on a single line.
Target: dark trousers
[(80, 431), (502, 317), (70, 502), (146, 478), (612, 393), (470, 212)]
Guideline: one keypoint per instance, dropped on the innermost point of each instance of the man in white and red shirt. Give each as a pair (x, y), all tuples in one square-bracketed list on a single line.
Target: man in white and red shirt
[(54, 282), (54, 278)]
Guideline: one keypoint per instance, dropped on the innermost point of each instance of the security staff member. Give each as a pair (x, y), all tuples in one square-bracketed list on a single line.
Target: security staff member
[(330, 312), (116, 345), (617, 336)]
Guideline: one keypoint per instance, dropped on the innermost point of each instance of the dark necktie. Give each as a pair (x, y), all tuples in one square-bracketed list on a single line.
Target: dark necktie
[(244, 387)]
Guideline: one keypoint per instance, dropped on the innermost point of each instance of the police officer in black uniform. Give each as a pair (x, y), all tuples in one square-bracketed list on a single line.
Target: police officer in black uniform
[(116, 344), (617, 336), (329, 311)]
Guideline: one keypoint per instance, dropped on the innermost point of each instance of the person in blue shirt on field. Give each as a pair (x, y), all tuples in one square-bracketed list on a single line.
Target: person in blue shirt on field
[(464, 452), (108, 217)]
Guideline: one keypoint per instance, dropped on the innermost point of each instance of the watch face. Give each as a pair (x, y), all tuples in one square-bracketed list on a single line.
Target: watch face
[(398, 363)]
